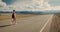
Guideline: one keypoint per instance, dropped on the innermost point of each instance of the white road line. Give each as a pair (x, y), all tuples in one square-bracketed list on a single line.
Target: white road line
[(45, 24)]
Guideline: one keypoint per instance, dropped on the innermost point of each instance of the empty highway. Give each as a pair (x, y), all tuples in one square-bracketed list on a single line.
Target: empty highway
[(38, 23)]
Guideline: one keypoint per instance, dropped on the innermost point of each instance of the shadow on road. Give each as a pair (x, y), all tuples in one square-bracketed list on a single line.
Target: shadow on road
[(55, 25), (5, 26)]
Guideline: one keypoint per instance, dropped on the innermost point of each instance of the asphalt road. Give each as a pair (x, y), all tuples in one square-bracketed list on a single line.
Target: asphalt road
[(30, 24)]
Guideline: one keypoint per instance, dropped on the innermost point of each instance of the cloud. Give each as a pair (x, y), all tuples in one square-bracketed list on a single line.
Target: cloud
[(3, 6), (54, 2), (33, 5), (56, 8)]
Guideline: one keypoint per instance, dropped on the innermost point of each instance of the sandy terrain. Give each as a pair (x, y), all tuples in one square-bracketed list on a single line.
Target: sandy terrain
[(55, 24), (8, 16)]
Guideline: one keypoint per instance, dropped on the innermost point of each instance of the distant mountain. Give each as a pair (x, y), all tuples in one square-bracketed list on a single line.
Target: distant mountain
[(22, 12), (34, 12)]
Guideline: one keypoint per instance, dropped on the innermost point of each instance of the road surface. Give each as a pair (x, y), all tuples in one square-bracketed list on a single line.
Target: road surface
[(30, 24)]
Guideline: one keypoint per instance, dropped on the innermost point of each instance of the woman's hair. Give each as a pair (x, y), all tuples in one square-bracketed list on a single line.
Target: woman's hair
[(13, 10)]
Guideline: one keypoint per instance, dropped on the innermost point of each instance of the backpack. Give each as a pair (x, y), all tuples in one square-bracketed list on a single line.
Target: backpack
[(13, 15)]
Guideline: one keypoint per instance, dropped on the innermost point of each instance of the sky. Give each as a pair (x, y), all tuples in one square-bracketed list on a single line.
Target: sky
[(29, 5)]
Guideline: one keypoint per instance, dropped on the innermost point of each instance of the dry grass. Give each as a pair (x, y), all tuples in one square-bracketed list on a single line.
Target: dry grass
[(57, 15), (4, 16)]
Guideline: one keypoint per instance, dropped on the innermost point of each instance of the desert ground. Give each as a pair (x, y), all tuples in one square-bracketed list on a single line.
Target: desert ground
[(8, 16)]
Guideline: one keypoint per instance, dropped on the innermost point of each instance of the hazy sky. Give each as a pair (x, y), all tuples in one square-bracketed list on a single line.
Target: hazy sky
[(33, 5)]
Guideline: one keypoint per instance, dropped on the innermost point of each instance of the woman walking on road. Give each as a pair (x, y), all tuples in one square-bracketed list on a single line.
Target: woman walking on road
[(14, 17)]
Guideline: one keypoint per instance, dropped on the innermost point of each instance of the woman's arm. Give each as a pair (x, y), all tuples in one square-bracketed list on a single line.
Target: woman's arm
[(15, 15)]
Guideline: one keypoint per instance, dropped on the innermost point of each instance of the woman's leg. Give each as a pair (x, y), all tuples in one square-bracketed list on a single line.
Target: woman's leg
[(15, 21), (12, 21)]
